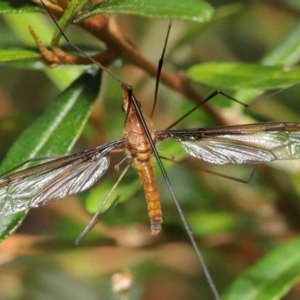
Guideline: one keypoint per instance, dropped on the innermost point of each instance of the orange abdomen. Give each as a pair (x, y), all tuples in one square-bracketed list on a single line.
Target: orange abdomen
[(147, 176)]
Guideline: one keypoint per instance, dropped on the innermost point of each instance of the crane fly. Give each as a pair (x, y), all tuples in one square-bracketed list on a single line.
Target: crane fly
[(71, 174)]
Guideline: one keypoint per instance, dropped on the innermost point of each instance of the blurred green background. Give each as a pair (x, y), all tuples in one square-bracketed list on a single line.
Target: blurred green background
[(235, 224)]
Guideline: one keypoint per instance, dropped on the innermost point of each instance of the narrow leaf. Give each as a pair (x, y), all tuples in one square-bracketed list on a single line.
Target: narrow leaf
[(232, 75), (17, 55), (192, 10), (54, 133), (67, 18), (18, 6), (286, 53), (271, 278)]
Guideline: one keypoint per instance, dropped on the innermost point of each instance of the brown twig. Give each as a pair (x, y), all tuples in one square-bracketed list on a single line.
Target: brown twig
[(107, 30)]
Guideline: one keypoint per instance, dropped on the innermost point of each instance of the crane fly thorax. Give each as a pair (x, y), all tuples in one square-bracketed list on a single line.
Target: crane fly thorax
[(136, 139)]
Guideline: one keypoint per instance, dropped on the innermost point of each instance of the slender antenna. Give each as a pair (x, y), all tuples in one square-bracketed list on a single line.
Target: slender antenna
[(173, 195), (95, 219), (159, 68)]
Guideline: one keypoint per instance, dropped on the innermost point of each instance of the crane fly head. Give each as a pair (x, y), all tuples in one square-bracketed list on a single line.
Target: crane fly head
[(128, 98)]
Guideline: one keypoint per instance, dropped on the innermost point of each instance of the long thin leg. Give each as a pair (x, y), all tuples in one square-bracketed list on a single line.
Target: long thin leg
[(95, 218), (208, 98)]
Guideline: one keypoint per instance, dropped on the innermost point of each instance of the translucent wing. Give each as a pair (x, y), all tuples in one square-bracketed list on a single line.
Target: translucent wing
[(241, 144), (54, 180)]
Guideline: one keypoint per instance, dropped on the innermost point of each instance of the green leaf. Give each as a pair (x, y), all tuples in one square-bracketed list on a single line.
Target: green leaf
[(287, 53), (67, 18), (18, 6), (17, 55), (192, 10), (235, 76), (8, 224), (54, 133), (270, 278)]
